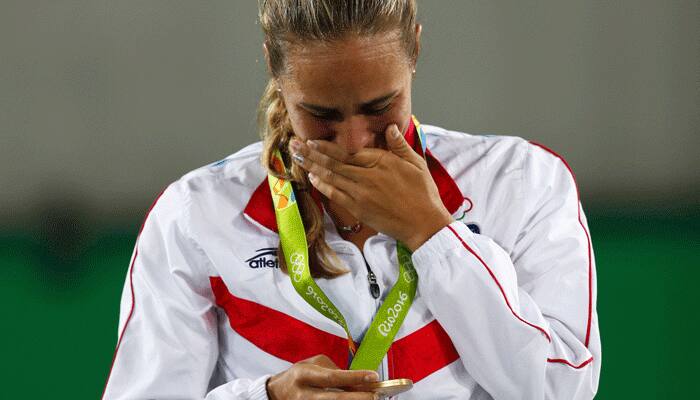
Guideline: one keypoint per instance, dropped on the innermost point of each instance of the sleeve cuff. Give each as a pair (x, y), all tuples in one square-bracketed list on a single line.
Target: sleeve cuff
[(257, 389), (441, 244)]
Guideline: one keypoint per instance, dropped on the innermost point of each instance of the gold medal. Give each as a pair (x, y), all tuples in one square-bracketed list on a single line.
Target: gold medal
[(386, 389)]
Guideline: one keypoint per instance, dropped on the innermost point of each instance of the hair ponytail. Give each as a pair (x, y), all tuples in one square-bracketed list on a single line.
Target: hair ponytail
[(276, 131)]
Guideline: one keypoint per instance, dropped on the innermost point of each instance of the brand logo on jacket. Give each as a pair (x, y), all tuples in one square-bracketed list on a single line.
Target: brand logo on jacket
[(265, 258)]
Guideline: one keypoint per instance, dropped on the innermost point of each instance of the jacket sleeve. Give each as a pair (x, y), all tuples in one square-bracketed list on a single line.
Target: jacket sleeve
[(168, 343), (523, 321)]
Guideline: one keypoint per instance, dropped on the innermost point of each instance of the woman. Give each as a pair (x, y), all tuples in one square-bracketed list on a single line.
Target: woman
[(487, 232)]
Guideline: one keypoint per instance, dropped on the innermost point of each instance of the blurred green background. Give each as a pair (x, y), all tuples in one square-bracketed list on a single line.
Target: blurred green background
[(103, 103)]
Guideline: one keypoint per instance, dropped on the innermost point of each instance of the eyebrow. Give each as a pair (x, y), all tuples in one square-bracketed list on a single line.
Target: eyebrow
[(363, 106)]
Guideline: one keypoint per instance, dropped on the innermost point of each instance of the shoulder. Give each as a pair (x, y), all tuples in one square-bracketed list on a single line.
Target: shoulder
[(231, 179), (238, 171), (549, 179), (224, 184), (206, 199), (480, 162), (499, 151), (490, 163)]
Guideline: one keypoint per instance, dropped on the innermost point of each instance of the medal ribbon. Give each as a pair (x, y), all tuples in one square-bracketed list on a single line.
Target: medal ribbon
[(393, 310)]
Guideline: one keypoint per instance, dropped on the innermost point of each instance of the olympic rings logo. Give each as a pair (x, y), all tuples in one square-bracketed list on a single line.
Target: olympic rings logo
[(297, 261), (405, 259), (409, 275)]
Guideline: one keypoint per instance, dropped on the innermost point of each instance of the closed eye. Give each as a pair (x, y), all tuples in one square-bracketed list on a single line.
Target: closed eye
[(333, 117), (321, 116), (379, 111)]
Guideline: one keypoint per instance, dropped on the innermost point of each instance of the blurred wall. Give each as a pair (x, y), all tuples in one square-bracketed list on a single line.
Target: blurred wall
[(102, 103)]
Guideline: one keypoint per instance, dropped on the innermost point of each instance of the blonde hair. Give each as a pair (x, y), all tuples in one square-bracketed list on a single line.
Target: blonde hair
[(284, 23)]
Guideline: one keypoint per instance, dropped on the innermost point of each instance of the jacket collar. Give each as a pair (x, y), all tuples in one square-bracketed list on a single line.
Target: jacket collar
[(261, 210)]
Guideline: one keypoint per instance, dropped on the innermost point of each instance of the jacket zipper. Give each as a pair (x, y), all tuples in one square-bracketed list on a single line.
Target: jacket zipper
[(373, 285), (375, 292)]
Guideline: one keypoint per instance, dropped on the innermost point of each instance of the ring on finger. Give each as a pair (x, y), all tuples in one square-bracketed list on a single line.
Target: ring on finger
[(298, 158)]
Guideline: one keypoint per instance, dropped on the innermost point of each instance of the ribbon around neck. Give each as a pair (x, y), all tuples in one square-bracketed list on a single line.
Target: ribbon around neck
[(390, 315)]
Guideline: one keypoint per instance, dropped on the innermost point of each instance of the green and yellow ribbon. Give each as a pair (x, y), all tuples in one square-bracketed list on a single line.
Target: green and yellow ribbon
[(393, 310)]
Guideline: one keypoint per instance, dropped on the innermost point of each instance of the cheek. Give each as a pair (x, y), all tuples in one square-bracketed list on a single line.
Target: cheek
[(311, 128), (397, 115)]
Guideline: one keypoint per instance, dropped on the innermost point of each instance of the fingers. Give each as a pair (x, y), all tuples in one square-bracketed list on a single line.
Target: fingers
[(332, 192), (320, 360), (321, 394), (367, 158), (320, 377), (328, 154), (328, 169), (331, 149), (327, 175), (334, 157), (397, 144)]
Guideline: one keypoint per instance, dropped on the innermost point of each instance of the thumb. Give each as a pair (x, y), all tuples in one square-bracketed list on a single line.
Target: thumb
[(397, 144)]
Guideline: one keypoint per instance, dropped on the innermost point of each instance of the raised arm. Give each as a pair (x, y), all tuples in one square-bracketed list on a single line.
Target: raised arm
[(523, 321)]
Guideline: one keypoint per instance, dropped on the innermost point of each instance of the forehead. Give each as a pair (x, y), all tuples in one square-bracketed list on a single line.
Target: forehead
[(366, 64), (346, 49)]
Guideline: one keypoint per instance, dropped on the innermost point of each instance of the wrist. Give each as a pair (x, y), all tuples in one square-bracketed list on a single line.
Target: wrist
[(269, 390), (425, 231)]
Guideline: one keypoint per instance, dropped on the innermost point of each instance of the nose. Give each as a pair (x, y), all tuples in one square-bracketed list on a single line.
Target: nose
[(354, 134)]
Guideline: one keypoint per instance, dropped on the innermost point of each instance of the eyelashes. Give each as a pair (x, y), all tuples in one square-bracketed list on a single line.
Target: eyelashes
[(333, 117), (381, 110)]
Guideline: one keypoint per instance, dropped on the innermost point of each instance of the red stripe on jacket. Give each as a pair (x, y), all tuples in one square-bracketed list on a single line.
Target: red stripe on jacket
[(421, 353), (277, 333), (414, 356), (588, 238)]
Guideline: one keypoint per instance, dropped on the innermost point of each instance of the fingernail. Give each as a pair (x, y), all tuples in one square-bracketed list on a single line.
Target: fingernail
[(395, 132), (295, 145), (372, 377), (298, 158), (312, 178)]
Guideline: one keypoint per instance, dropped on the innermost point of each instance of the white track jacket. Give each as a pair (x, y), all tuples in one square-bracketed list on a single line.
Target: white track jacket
[(505, 306)]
